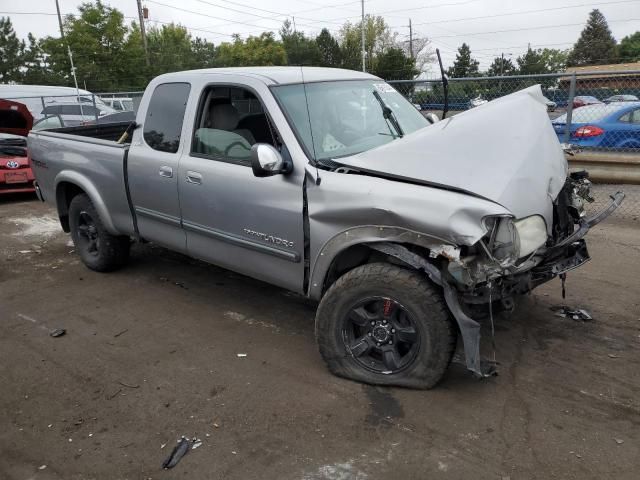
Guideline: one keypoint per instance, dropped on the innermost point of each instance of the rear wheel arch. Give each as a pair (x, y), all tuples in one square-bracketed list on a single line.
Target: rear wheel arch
[(69, 185)]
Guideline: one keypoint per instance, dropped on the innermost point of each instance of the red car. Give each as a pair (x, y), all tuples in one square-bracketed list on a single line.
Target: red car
[(582, 100), (15, 171)]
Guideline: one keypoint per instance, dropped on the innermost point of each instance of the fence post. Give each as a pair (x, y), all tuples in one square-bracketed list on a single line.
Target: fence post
[(572, 93)]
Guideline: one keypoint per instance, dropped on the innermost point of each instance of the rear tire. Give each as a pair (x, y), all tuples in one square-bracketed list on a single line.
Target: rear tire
[(98, 249), (385, 325)]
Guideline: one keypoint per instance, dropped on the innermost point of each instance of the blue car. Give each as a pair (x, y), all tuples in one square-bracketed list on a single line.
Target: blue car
[(616, 125)]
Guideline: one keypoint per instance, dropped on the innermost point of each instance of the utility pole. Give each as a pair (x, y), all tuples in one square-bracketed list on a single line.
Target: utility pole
[(294, 24), (143, 34), (59, 20), (410, 39), (501, 63), (364, 68)]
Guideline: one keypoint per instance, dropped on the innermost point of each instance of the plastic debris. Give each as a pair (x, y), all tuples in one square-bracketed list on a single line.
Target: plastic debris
[(42, 467), (58, 332), (179, 451), (572, 313), (196, 444), (619, 441), (242, 355)]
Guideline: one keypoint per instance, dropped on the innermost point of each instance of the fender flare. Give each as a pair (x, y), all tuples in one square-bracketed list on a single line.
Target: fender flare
[(362, 235), (86, 185)]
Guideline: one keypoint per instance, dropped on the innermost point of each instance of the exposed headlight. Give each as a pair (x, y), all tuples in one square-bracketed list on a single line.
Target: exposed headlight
[(532, 233), (503, 242)]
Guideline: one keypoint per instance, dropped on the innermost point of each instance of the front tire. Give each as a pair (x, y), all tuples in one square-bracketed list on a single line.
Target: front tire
[(385, 325), (98, 249)]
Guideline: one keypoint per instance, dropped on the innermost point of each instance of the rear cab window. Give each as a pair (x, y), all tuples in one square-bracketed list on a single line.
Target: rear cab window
[(165, 116)]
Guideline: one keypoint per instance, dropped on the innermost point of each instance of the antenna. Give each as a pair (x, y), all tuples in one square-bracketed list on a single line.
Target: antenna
[(445, 86), (313, 143)]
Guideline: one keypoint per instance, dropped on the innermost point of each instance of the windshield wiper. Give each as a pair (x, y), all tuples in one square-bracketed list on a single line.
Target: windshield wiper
[(388, 114)]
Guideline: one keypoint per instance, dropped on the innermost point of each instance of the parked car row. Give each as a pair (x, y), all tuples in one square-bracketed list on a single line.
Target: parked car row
[(583, 100)]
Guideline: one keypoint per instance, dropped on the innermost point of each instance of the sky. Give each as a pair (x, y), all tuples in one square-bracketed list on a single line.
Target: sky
[(490, 27)]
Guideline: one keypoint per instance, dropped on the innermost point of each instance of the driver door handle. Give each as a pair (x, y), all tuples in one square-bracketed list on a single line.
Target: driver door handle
[(166, 172), (194, 177)]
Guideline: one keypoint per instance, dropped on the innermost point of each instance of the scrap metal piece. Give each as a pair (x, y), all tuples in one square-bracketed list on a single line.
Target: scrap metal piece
[(572, 313), (58, 332), (179, 451)]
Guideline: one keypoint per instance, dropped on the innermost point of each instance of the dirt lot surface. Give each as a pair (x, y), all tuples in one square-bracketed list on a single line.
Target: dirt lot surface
[(152, 353)]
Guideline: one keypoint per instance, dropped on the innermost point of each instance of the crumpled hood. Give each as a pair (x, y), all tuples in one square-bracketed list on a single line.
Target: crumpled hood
[(505, 151)]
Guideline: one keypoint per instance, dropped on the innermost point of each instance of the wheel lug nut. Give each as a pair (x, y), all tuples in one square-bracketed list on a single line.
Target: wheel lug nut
[(384, 322), (390, 342), (370, 334), (393, 330), (372, 322)]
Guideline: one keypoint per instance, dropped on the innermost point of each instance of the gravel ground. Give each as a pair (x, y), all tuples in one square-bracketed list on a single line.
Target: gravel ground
[(152, 353)]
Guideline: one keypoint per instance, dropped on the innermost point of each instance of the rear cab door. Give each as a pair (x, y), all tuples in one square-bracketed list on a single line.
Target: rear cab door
[(231, 218), (153, 161)]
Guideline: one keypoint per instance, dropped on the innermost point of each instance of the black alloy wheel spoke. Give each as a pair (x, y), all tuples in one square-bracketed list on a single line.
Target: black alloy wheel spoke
[(361, 317), (360, 346), (380, 335)]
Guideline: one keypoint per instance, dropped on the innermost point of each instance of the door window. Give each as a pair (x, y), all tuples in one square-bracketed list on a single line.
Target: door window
[(229, 121), (165, 114)]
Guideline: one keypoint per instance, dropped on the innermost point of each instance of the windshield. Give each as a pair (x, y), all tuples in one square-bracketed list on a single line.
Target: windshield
[(348, 117)]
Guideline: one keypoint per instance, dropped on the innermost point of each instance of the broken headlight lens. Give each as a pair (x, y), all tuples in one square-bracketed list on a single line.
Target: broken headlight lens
[(505, 242), (532, 234)]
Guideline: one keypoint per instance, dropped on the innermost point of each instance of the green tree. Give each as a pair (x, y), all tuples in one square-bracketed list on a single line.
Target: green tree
[(261, 50), (464, 65), (596, 45), (555, 60), (501, 66), (377, 39), (329, 49), (393, 64), (169, 49), (11, 52), (37, 69), (300, 49), (531, 63), (629, 48), (203, 52)]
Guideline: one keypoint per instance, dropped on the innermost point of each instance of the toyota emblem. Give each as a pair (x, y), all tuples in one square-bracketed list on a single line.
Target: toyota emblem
[(12, 164)]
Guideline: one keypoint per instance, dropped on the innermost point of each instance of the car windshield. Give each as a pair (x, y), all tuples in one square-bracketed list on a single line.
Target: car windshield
[(589, 113), (342, 118)]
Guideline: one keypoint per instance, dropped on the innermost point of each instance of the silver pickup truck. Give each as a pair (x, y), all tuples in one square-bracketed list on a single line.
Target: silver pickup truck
[(329, 183)]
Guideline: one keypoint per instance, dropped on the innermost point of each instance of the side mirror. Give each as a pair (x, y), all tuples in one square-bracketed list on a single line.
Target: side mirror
[(267, 161), (432, 117)]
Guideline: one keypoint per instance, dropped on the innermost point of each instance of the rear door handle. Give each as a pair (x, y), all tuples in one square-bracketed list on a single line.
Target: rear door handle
[(166, 172), (194, 177)]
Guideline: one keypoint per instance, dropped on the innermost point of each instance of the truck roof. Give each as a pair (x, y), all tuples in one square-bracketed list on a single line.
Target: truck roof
[(278, 75)]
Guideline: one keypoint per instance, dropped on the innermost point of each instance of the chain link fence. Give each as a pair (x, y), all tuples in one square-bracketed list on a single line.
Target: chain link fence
[(598, 111)]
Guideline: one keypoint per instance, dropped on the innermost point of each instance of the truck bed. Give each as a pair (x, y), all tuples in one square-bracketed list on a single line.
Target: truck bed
[(89, 158), (107, 131)]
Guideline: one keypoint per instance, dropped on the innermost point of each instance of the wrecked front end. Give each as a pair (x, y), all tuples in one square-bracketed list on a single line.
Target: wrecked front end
[(516, 256)]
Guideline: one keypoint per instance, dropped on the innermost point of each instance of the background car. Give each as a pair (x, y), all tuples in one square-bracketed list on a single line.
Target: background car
[(621, 98), (551, 105), (582, 100), (15, 172), (616, 125), (74, 113), (120, 104)]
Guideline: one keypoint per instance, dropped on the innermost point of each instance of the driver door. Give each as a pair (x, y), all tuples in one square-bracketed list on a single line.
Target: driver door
[(231, 218)]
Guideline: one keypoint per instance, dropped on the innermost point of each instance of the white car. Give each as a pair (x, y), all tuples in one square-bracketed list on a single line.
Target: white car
[(120, 104)]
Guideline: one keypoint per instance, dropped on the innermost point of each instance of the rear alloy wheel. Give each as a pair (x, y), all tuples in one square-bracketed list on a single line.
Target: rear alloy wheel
[(98, 249), (385, 325)]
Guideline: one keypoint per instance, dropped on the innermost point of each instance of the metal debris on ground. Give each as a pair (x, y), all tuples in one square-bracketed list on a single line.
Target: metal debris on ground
[(196, 443), (179, 451), (58, 332), (573, 313), (242, 355)]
